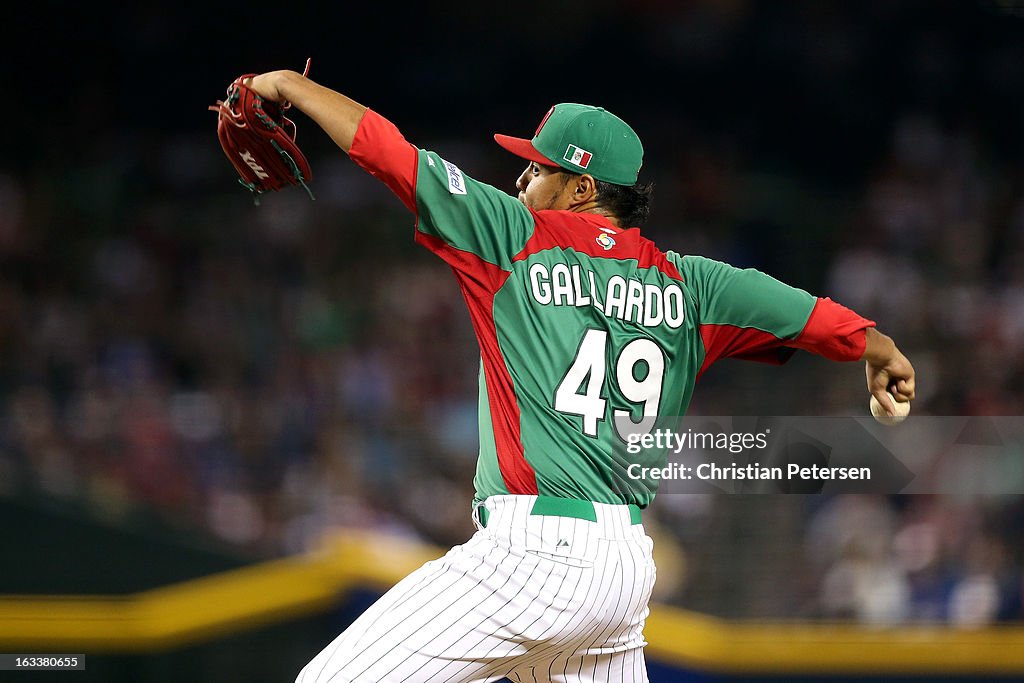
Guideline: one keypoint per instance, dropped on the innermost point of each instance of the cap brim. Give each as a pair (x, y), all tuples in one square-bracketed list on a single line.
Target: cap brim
[(522, 147)]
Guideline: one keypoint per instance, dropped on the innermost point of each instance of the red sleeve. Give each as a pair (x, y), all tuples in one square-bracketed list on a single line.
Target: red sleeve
[(744, 343), (833, 331), (381, 150)]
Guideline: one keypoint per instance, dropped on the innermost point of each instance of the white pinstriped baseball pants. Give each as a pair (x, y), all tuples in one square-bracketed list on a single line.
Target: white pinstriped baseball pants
[(534, 598)]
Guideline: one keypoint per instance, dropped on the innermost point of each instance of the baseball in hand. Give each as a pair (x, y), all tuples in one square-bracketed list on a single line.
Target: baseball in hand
[(902, 410)]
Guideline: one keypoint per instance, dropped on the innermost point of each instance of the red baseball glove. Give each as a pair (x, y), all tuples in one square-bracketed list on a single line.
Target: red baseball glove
[(259, 140)]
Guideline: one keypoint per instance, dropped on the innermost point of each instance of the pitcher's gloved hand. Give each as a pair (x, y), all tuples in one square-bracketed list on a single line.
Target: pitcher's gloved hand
[(259, 140)]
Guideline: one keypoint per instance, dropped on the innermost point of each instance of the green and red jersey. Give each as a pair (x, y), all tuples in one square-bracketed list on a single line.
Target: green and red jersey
[(584, 326)]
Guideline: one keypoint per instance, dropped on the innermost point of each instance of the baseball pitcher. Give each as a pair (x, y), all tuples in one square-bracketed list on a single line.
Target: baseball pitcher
[(584, 325)]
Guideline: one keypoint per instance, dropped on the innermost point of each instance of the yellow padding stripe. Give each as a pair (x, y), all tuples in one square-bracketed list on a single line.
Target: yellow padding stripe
[(226, 603), (211, 606), (683, 638)]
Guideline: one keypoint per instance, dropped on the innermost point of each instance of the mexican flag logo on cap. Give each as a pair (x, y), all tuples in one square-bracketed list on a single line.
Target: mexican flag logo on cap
[(580, 157)]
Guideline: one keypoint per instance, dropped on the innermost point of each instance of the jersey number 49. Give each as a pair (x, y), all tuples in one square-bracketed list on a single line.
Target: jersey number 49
[(588, 372)]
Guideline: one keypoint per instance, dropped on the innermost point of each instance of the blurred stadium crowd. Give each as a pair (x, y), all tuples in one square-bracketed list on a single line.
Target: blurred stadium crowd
[(265, 375)]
